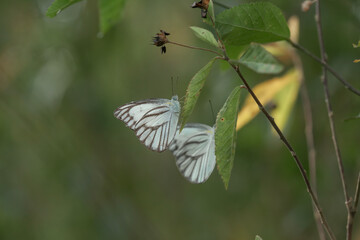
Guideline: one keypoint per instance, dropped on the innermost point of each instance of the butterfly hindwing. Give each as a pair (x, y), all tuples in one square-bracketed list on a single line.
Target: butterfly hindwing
[(194, 150), (153, 120)]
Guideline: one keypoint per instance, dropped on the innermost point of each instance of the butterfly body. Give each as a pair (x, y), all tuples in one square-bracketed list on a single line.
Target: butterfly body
[(153, 120), (194, 150)]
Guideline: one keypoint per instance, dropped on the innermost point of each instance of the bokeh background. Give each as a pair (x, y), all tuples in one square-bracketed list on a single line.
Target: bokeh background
[(70, 170)]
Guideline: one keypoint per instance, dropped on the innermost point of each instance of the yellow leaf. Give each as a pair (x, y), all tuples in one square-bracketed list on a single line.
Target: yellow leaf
[(266, 92), (284, 101), (282, 50), (356, 60), (356, 45), (294, 24)]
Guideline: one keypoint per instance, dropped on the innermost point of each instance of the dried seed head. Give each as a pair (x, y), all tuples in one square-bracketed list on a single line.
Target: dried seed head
[(160, 40), (204, 5), (305, 6)]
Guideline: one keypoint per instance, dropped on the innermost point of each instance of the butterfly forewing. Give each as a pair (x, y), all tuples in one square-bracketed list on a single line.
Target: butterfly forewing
[(194, 150), (153, 120)]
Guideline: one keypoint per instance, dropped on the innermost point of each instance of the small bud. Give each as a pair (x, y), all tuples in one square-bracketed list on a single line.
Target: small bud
[(160, 39), (204, 5), (305, 6)]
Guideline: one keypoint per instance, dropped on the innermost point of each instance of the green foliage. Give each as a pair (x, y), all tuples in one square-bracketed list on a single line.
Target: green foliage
[(260, 60), (58, 5), (258, 237), (225, 135), (260, 22), (193, 92), (205, 35), (110, 13), (233, 52)]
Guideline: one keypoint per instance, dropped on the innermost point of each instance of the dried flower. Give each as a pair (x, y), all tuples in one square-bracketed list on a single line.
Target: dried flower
[(160, 39), (203, 4), (305, 6)]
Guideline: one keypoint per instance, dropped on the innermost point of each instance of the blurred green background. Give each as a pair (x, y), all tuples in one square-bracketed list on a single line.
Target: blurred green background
[(70, 170)]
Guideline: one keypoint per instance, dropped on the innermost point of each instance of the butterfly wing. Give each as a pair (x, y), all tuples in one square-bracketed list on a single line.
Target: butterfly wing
[(153, 120), (194, 150)]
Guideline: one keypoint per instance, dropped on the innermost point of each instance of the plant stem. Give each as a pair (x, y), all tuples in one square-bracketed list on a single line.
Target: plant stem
[(304, 50), (291, 150), (309, 134), (192, 47), (348, 203), (357, 193), (324, 64)]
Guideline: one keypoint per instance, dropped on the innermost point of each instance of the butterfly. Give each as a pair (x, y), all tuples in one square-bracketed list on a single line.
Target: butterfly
[(153, 120), (194, 150)]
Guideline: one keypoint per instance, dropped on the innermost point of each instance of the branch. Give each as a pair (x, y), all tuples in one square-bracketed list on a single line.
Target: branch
[(291, 150), (311, 152), (324, 64), (309, 138), (304, 50), (357, 193), (331, 121)]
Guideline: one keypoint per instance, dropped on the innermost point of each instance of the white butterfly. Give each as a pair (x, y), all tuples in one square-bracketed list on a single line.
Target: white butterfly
[(194, 150), (154, 120)]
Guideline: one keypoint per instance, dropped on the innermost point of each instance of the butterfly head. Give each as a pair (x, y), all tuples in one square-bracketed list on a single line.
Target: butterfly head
[(175, 103)]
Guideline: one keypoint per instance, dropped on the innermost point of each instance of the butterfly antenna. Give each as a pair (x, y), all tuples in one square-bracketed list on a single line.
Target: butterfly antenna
[(212, 110)]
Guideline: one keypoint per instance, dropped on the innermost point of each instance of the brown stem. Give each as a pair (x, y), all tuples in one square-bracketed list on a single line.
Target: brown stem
[(309, 134), (219, 39), (324, 64), (291, 150), (331, 121), (192, 47), (311, 153), (357, 193)]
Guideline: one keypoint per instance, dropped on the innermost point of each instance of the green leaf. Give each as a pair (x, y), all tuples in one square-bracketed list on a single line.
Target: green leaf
[(258, 237), (233, 52), (205, 35), (353, 118), (260, 22), (210, 14), (261, 61), (110, 13), (225, 135), (58, 5), (193, 92)]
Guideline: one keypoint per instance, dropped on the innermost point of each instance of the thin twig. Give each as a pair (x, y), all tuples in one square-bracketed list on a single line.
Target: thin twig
[(311, 152), (291, 150), (192, 47), (309, 134), (318, 214), (353, 208), (222, 45), (306, 51), (331, 121), (324, 64), (357, 193)]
